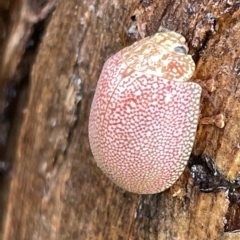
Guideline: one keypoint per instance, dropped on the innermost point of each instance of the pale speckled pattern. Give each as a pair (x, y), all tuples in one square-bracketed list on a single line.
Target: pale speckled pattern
[(142, 126)]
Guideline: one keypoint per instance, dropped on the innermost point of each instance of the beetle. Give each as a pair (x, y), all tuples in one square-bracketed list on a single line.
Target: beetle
[(144, 114)]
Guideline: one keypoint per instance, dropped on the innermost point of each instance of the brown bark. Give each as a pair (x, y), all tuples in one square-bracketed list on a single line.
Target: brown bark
[(57, 191)]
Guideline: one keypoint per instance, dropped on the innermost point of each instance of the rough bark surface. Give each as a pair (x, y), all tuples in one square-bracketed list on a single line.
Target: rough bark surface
[(56, 190)]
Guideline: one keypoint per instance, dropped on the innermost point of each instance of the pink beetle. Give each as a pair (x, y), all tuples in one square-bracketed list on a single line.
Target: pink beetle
[(144, 114)]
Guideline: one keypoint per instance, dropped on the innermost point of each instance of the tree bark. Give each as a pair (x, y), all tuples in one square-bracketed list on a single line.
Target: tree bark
[(57, 191)]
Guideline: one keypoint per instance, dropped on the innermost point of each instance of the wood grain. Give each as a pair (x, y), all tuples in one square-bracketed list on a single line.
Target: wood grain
[(57, 191)]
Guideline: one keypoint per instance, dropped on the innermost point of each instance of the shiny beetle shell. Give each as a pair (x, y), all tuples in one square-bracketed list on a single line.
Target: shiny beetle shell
[(144, 114)]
